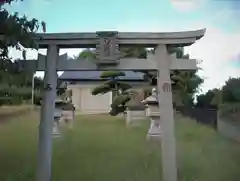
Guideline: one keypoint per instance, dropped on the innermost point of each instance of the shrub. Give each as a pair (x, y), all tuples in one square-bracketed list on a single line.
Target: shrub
[(119, 89), (5, 100)]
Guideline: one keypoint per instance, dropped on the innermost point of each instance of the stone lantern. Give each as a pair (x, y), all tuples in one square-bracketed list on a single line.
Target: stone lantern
[(152, 111), (57, 116)]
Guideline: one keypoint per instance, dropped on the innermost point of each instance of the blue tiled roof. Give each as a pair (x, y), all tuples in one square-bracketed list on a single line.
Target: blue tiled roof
[(95, 75)]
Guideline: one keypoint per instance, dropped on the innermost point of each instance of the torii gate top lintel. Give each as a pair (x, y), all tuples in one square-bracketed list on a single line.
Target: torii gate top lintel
[(147, 39), (107, 48)]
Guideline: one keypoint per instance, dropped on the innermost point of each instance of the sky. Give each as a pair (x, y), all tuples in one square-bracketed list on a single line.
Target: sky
[(218, 50)]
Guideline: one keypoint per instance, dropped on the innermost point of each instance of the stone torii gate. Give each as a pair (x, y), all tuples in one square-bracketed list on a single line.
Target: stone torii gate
[(107, 45)]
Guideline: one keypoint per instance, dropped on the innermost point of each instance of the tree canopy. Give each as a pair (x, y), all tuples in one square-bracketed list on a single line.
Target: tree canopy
[(16, 32), (229, 93)]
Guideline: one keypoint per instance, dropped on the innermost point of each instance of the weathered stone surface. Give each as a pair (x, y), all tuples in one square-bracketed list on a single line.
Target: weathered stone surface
[(154, 132), (57, 116), (152, 111), (68, 117)]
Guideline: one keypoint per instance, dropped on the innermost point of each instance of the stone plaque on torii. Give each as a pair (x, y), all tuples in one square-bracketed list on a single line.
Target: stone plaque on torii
[(107, 44)]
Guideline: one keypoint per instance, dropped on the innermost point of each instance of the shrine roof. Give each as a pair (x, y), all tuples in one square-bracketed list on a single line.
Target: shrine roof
[(95, 76)]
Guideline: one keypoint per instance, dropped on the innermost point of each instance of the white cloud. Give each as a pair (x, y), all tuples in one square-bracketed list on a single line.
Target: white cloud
[(186, 5), (217, 49)]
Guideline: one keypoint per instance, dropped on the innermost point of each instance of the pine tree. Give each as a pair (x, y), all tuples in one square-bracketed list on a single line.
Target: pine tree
[(120, 91)]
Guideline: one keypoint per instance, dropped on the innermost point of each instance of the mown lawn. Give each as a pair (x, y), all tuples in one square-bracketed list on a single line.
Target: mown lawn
[(101, 148)]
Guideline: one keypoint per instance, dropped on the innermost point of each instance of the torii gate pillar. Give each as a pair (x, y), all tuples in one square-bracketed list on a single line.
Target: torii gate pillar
[(47, 115), (168, 142)]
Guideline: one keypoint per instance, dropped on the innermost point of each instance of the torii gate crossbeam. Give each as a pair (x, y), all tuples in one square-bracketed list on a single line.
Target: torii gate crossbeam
[(109, 59)]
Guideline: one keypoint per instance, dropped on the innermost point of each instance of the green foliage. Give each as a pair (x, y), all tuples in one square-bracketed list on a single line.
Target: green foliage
[(206, 100), (229, 93), (119, 104), (111, 85), (133, 52), (231, 90), (186, 83), (217, 98), (16, 32), (119, 89), (117, 110), (120, 100), (102, 89), (5, 100), (123, 86), (17, 95), (229, 96), (87, 54), (19, 88), (226, 99)]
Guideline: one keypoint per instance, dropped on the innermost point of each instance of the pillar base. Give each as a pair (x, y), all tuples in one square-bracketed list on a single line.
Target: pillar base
[(67, 119), (153, 137), (62, 122), (154, 131), (56, 135), (55, 131)]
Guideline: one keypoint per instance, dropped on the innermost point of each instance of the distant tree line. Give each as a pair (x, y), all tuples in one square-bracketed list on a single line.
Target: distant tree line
[(214, 98), (16, 84), (225, 100)]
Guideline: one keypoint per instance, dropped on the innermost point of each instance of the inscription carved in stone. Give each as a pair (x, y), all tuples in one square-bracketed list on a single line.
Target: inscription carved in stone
[(107, 46), (166, 87)]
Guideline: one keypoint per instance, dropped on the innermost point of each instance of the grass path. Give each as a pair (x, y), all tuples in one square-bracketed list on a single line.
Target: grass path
[(204, 155), (103, 149)]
